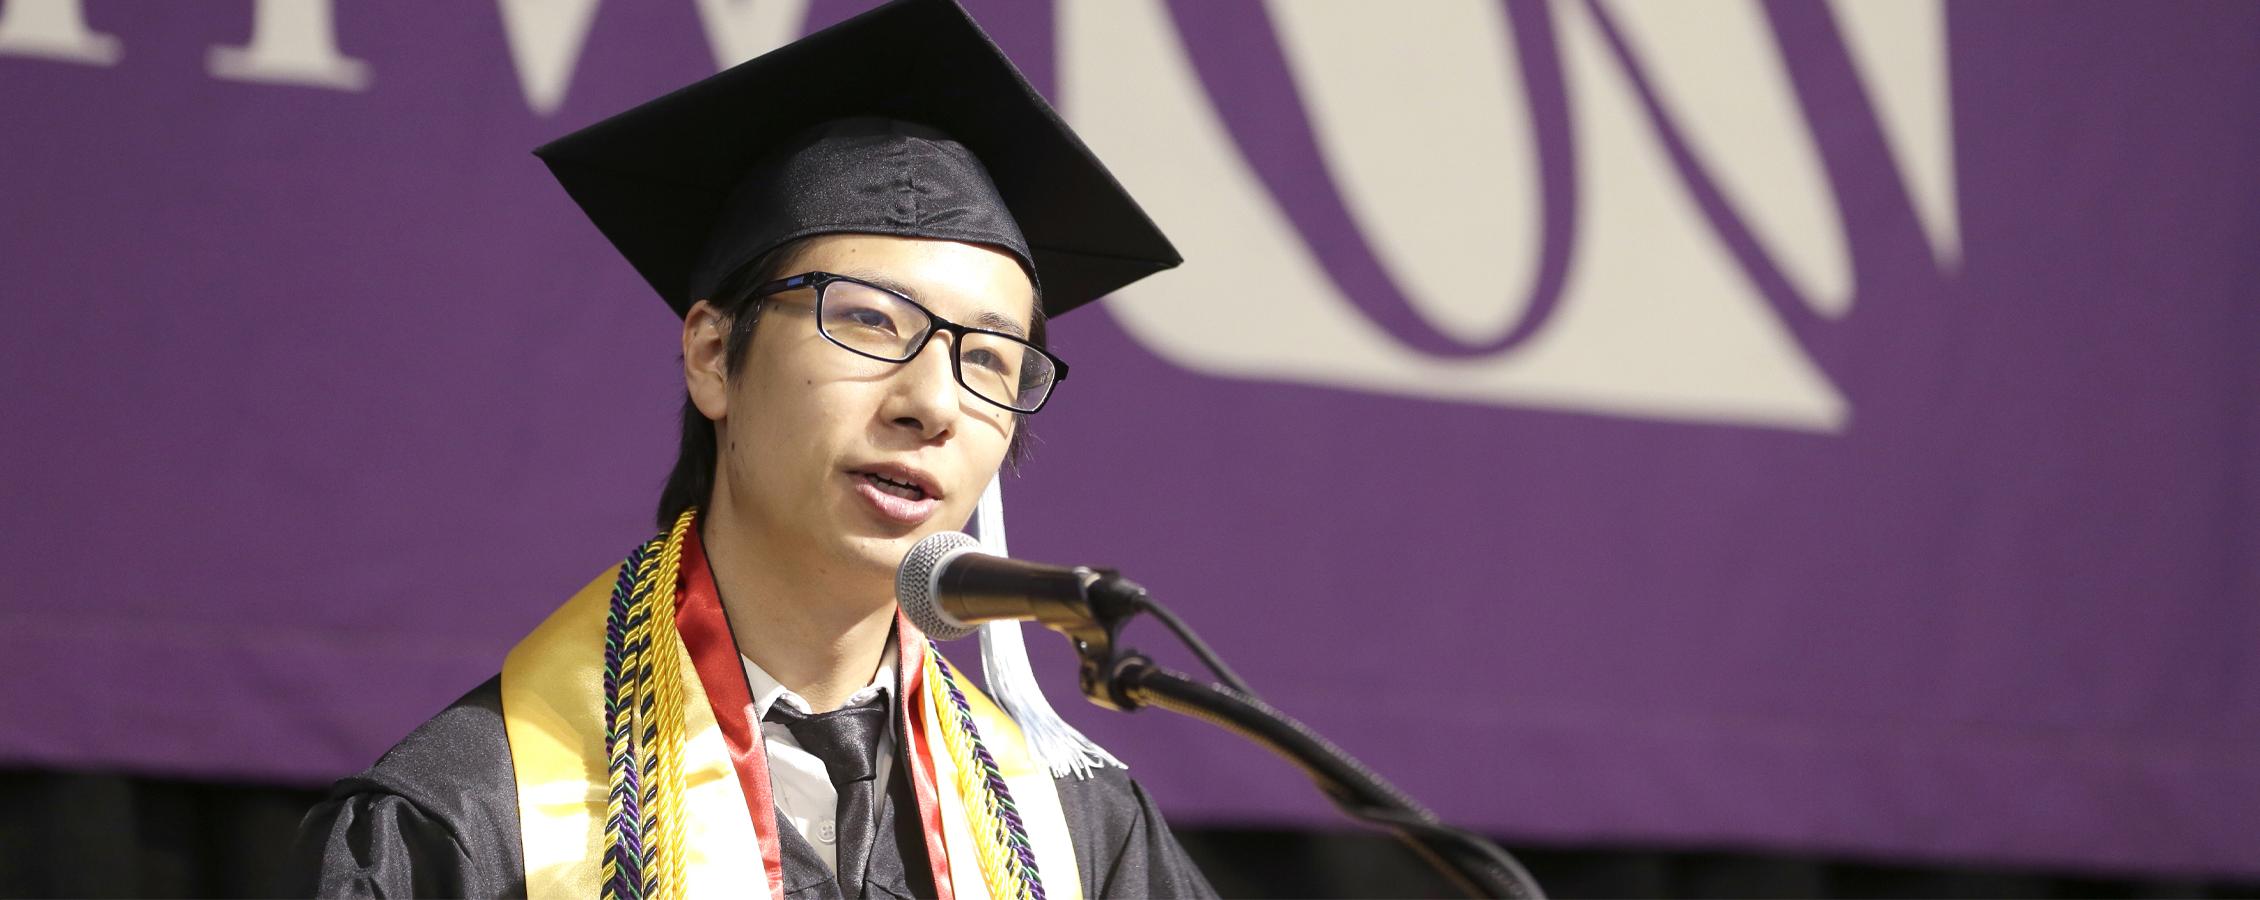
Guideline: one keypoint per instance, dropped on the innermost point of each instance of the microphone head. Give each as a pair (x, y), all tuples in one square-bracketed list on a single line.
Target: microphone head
[(915, 588)]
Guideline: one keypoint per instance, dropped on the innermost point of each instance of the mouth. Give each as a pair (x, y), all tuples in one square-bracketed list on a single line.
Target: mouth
[(898, 494), (908, 490)]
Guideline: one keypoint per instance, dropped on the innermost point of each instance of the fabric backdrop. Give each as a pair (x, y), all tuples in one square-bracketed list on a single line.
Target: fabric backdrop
[(1810, 425)]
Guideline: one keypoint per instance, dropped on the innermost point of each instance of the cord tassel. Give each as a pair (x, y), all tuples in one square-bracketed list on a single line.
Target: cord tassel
[(1012, 681)]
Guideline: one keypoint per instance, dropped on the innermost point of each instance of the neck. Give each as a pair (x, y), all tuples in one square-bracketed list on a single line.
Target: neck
[(793, 618)]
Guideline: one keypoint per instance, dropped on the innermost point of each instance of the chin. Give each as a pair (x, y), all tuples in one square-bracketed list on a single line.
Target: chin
[(882, 549), (881, 554)]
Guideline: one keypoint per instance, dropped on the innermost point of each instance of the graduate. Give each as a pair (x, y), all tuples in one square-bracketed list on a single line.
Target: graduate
[(865, 233)]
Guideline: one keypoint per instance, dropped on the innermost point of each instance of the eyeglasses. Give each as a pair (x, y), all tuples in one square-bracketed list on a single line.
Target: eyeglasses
[(872, 321)]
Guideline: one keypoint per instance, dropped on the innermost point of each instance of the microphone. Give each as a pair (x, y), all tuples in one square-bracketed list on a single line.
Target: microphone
[(948, 588)]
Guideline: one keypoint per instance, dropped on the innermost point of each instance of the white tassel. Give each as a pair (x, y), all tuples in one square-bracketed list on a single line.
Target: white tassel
[(1004, 659)]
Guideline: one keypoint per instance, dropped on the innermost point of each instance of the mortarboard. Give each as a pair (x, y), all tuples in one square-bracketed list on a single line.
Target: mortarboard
[(691, 184)]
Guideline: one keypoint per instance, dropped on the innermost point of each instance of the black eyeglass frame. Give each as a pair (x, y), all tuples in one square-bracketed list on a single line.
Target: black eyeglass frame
[(934, 324)]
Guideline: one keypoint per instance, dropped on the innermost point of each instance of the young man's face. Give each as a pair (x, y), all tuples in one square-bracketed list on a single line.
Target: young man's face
[(811, 433)]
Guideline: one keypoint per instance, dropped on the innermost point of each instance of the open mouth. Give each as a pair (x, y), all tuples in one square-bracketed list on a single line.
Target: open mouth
[(902, 489)]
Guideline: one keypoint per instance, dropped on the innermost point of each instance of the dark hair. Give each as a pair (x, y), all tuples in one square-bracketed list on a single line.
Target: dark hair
[(691, 482)]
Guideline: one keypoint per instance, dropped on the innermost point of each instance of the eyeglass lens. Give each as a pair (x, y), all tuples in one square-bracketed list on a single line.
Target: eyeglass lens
[(876, 323)]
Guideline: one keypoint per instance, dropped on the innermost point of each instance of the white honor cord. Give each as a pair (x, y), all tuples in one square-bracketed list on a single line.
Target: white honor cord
[(1004, 660)]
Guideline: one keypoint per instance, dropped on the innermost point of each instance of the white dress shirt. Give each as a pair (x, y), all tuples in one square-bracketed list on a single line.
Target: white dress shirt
[(797, 778)]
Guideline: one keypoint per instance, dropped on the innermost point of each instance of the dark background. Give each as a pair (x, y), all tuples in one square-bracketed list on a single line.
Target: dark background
[(73, 834)]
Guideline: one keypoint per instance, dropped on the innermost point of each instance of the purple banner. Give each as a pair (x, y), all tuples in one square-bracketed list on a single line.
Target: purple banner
[(1792, 425)]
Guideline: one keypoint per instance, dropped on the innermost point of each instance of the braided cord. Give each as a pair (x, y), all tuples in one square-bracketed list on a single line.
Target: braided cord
[(1007, 859), (644, 697), (665, 659), (622, 873)]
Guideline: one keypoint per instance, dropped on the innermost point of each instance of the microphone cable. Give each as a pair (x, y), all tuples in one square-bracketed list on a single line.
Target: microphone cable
[(1145, 603)]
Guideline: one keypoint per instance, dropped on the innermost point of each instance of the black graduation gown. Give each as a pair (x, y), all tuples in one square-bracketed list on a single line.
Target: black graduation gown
[(437, 816)]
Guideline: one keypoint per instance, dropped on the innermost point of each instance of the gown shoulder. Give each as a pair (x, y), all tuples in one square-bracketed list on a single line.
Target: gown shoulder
[(1122, 846), (437, 816)]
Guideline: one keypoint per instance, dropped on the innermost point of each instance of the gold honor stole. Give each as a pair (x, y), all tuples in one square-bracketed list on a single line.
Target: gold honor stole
[(553, 708)]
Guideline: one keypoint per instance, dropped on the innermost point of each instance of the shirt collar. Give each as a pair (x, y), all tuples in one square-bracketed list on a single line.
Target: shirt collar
[(767, 691)]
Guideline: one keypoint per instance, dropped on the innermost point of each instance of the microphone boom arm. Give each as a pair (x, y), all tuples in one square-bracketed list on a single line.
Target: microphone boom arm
[(946, 596), (1121, 678)]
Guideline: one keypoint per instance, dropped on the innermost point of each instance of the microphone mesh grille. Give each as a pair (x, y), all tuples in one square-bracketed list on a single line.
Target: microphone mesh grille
[(914, 583)]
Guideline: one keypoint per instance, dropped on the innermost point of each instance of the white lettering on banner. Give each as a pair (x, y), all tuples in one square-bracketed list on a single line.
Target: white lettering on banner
[(56, 30), (545, 38), (1656, 318), (1467, 265), (1717, 68), (1899, 49), (295, 41), (292, 42), (739, 30)]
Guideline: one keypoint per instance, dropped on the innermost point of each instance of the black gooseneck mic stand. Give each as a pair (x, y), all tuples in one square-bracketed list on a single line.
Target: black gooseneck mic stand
[(1121, 678)]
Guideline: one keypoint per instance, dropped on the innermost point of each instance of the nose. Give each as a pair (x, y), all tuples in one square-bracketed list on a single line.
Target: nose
[(926, 397)]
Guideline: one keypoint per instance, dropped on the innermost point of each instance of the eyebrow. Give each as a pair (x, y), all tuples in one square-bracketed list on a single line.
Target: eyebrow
[(988, 318)]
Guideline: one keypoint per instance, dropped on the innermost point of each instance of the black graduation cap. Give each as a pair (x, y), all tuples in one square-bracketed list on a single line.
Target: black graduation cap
[(938, 127)]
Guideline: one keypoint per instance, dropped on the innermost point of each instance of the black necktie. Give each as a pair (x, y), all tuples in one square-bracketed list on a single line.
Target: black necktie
[(847, 740)]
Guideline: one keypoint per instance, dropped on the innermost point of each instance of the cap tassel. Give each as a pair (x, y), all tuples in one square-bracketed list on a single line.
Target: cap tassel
[(1004, 660)]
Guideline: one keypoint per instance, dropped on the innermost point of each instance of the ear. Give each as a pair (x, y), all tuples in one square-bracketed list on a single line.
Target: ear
[(706, 371)]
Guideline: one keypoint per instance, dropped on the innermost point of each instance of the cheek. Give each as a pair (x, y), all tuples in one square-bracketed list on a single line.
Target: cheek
[(799, 420), (996, 440), (763, 419), (995, 425)]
